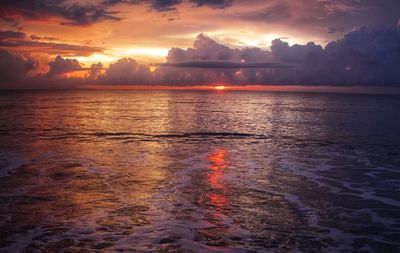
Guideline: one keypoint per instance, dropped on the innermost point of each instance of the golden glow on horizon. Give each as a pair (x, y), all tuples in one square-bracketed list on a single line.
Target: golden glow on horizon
[(142, 55), (152, 68), (272, 88), (75, 74), (141, 51), (95, 58), (220, 87)]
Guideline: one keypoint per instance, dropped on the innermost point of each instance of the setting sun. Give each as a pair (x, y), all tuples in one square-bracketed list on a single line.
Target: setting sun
[(220, 87)]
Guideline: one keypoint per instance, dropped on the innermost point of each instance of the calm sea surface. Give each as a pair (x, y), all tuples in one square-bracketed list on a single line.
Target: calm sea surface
[(107, 171)]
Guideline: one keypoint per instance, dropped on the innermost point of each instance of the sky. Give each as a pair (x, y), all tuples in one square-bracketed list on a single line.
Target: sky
[(99, 43)]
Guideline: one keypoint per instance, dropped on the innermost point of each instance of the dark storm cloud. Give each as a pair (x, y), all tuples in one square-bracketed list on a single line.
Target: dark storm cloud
[(335, 30), (274, 13), (18, 41), (61, 65), (126, 71), (72, 13), (11, 35), (218, 4), (50, 47), (334, 17), (348, 14), (365, 56), (165, 5), (35, 37), (171, 5), (95, 71), (157, 5), (226, 65), (204, 48), (14, 66), (344, 14)]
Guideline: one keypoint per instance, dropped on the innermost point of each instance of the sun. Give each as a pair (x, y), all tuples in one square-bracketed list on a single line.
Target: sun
[(220, 87), (152, 68)]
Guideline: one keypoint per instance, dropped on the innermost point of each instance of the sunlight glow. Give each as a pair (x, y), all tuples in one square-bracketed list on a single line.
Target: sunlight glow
[(152, 68), (95, 58), (216, 177), (236, 38), (153, 52), (220, 87)]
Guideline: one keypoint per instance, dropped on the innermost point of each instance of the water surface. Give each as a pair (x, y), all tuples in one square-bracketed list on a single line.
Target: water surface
[(149, 171)]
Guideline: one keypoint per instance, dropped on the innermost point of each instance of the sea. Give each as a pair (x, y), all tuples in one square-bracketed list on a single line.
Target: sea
[(198, 171)]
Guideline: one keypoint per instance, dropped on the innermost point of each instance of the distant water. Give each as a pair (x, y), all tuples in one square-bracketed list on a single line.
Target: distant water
[(107, 171)]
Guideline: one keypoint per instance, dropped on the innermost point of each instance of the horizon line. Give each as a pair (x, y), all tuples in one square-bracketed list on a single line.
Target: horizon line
[(379, 90)]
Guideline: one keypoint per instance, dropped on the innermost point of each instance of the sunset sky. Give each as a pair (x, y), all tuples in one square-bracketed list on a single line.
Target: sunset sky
[(65, 43)]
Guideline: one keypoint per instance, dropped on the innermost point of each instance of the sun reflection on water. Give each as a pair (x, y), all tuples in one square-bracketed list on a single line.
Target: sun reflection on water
[(215, 177)]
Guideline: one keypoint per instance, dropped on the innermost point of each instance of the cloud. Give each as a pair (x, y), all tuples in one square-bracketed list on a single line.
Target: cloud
[(14, 66), (95, 71), (332, 30), (171, 5), (36, 37), (322, 19), (61, 66), (204, 48), (165, 5), (72, 13), (226, 65), (126, 71), (157, 5), (18, 41), (209, 62), (273, 13), (11, 35), (366, 56), (217, 4)]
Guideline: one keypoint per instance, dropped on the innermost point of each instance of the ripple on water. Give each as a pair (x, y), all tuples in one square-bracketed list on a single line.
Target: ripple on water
[(198, 172)]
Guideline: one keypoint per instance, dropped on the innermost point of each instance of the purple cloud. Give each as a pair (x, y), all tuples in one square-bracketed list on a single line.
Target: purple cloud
[(14, 66), (61, 65), (366, 56)]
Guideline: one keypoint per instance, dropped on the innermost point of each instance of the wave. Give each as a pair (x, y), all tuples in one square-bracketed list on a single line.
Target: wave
[(144, 136), (208, 134)]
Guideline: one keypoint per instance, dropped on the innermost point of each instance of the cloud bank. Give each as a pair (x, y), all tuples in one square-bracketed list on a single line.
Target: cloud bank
[(366, 56), (20, 41), (14, 66), (61, 65), (74, 13), (71, 13)]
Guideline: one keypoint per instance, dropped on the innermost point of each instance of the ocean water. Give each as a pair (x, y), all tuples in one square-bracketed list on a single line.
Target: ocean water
[(160, 171)]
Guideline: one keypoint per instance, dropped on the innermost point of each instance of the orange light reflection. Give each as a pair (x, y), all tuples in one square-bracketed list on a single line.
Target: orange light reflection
[(217, 199), (270, 88), (215, 177)]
